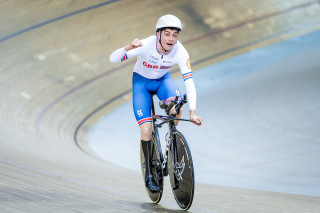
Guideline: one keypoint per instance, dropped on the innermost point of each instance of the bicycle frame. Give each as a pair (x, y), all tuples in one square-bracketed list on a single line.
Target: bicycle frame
[(172, 129), (173, 162)]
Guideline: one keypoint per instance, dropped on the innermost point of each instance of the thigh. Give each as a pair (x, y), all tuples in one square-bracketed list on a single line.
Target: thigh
[(168, 90), (141, 99)]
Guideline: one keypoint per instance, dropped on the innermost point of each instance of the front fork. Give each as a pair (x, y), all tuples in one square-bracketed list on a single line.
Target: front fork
[(168, 142), (165, 162), (171, 143)]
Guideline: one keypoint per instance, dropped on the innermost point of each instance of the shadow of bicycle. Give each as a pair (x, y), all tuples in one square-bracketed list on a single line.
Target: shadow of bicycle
[(151, 207)]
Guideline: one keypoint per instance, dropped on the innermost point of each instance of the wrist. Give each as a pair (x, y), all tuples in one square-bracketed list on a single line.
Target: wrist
[(127, 48)]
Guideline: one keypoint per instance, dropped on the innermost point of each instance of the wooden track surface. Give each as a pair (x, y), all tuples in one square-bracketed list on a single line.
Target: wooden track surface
[(56, 81)]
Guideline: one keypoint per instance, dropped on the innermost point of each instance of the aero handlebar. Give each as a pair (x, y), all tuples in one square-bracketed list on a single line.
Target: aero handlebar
[(175, 103)]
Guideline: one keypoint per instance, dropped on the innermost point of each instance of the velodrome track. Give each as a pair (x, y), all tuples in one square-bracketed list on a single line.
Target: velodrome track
[(265, 139), (56, 83)]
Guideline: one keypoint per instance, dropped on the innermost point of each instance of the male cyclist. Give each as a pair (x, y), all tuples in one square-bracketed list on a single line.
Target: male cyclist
[(155, 56)]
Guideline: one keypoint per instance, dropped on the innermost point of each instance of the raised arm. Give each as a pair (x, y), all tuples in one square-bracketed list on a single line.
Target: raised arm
[(121, 53), (133, 45)]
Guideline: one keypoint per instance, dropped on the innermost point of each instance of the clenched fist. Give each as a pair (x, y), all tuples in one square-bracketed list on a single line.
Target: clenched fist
[(134, 44)]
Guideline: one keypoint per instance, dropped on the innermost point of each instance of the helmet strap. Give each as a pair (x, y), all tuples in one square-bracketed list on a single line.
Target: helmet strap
[(160, 42)]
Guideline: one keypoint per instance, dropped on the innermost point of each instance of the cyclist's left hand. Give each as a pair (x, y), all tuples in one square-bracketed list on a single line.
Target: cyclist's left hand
[(197, 120)]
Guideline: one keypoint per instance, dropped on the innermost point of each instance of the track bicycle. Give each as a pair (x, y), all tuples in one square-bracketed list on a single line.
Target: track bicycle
[(176, 160)]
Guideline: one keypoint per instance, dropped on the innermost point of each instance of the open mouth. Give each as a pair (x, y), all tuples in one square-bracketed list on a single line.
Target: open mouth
[(169, 44)]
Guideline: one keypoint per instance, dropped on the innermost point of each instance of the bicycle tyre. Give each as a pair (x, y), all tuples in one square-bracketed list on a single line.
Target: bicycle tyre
[(182, 174), (156, 168)]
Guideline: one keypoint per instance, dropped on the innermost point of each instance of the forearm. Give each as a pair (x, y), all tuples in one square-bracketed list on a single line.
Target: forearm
[(130, 50), (118, 55), (192, 95)]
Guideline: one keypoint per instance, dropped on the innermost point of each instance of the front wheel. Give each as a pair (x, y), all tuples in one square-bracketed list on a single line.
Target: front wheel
[(156, 169), (181, 171)]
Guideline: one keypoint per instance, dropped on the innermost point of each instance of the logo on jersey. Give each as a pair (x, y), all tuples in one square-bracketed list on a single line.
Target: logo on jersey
[(153, 59), (155, 66), (167, 62), (188, 63), (150, 65), (139, 112)]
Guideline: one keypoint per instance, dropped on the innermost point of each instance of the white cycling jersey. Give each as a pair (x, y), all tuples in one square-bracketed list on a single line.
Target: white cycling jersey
[(152, 64)]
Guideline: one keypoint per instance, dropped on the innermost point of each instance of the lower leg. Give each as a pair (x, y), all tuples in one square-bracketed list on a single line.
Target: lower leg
[(146, 133), (149, 179), (146, 148)]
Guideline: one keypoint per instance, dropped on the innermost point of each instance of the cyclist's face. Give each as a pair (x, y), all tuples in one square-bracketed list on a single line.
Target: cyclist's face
[(168, 38)]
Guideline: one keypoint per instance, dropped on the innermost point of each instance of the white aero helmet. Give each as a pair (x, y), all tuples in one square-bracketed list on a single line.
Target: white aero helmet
[(169, 21)]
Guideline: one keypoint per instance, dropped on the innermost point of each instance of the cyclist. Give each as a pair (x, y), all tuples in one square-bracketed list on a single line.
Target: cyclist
[(155, 56)]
